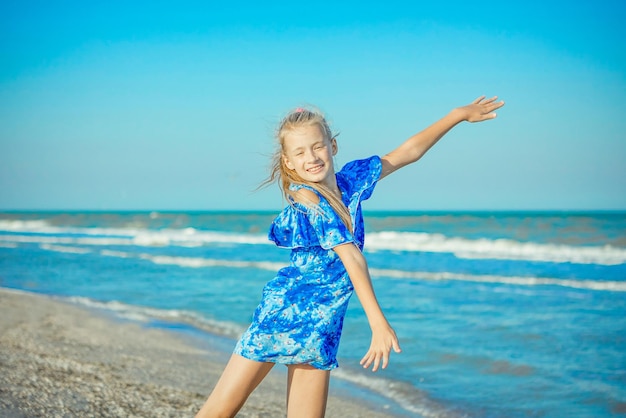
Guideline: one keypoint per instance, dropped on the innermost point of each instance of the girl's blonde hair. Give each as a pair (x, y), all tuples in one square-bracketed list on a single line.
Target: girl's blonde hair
[(285, 177)]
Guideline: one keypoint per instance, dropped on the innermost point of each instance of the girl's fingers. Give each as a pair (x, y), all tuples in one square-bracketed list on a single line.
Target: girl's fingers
[(495, 105), (376, 362), (396, 346), (385, 360), (365, 361), (487, 102), (478, 100)]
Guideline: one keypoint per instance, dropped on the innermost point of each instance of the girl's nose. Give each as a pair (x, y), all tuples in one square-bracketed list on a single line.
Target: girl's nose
[(311, 156)]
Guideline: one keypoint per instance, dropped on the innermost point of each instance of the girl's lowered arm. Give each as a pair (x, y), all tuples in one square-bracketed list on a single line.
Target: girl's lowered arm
[(383, 336), (416, 146)]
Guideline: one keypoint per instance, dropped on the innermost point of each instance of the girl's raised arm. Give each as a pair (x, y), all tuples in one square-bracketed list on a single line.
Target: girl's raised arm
[(416, 146)]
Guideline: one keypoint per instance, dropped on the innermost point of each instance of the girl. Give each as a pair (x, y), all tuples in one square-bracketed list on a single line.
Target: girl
[(300, 317)]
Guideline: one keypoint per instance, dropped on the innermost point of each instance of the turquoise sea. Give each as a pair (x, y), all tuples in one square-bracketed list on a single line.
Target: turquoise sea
[(499, 314)]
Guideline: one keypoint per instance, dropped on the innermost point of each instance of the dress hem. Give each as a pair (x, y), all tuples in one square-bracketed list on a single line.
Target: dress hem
[(286, 363)]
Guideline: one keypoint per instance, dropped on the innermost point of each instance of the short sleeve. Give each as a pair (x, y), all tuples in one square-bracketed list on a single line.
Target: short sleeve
[(298, 226), (360, 176)]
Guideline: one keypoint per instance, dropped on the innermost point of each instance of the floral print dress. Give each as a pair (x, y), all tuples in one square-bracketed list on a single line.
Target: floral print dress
[(300, 317)]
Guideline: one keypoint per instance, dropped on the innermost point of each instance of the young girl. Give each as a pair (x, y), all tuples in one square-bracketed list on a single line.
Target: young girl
[(300, 317)]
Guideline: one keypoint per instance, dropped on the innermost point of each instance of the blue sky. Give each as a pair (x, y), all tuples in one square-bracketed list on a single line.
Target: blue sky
[(172, 105)]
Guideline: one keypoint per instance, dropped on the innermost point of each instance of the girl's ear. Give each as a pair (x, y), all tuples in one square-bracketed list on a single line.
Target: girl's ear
[(288, 163), (334, 147)]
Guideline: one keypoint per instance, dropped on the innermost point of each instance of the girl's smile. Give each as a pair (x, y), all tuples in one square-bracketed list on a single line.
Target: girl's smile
[(315, 169)]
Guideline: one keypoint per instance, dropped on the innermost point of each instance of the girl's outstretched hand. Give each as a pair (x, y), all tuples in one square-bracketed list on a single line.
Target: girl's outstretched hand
[(383, 340), (481, 109)]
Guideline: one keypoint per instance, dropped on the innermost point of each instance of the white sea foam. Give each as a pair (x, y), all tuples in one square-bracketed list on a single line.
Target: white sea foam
[(197, 262), (614, 286), (495, 249), (65, 249), (200, 262), (21, 225), (190, 237), (194, 262), (52, 239), (187, 237), (145, 314), (120, 254), (464, 248), (407, 396)]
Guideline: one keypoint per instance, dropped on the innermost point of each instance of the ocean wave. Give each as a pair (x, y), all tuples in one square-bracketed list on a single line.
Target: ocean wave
[(120, 254), (380, 241), (193, 262), (464, 248), (187, 237), (504, 249), (614, 286), (196, 262), (200, 262), (407, 396), (210, 262), (21, 225), (64, 249), (146, 314), (52, 239)]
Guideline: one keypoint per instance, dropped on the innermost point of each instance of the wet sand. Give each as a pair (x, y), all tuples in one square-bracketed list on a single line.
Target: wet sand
[(59, 359)]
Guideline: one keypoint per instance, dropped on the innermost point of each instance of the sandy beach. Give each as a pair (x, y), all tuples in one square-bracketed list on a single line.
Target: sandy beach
[(59, 359)]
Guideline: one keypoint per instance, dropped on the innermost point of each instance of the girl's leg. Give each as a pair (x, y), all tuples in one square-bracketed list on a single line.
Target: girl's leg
[(307, 391), (240, 377)]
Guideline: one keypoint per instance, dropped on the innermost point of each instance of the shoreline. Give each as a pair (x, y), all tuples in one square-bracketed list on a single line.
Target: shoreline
[(61, 359)]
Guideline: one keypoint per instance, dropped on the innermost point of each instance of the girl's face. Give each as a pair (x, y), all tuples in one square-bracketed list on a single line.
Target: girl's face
[(307, 151)]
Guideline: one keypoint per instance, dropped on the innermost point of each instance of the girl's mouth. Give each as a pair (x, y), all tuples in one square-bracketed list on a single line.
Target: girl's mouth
[(316, 169)]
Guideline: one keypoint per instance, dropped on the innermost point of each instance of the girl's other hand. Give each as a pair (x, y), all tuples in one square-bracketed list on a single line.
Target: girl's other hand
[(383, 340), (480, 109)]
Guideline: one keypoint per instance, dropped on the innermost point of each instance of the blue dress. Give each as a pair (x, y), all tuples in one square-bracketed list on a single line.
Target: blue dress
[(300, 317)]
